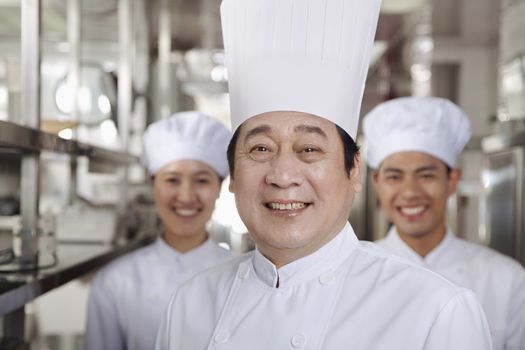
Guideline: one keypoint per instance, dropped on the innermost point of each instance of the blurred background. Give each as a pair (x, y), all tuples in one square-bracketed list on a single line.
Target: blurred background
[(81, 80)]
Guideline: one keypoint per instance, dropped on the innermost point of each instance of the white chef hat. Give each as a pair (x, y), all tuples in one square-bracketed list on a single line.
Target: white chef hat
[(308, 56), (186, 135), (424, 124)]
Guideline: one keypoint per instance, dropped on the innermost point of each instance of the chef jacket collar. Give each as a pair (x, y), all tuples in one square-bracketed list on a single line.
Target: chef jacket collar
[(194, 256), (432, 259), (322, 261)]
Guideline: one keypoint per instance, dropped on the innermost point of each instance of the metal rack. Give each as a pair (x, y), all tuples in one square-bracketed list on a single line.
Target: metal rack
[(28, 141), (18, 288)]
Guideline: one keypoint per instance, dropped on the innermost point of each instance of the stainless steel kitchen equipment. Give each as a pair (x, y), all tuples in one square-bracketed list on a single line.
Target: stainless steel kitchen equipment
[(503, 177)]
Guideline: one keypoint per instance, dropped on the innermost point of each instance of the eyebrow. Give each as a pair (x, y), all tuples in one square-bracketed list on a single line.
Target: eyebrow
[(266, 129), (309, 129), (261, 129), (426, 168), (392, 170), (418, 170), (178, 173)]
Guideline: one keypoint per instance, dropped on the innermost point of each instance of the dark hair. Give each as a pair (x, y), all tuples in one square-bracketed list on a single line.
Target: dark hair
[(351, 149)]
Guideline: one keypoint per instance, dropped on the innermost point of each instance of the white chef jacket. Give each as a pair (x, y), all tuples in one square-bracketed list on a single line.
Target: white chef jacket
[(128, 297), (346, 295), (497, 280)]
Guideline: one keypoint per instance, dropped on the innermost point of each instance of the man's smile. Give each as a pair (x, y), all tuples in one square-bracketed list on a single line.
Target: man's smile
[(286, 206), (412, 212)]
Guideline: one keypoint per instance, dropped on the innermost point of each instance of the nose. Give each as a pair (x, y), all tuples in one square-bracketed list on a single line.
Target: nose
[(186, 192), (410, 188), (285, 170)]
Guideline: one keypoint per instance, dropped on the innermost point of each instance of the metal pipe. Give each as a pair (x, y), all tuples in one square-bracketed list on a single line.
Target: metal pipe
[(30, 107), (124, 70), (74, 29), (31, 29), (125, 91), (164, 59)]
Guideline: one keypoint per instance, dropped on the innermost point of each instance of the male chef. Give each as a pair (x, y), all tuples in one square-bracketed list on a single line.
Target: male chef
[(296, 75), (413, 145)]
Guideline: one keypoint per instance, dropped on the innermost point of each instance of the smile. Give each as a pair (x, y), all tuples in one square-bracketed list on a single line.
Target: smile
[(186, 212), (411, 211), (286, 206)]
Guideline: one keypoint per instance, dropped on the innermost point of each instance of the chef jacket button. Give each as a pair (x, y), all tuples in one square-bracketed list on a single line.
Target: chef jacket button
[(244, 271), (221, 338), (298, 341), (327, 278)]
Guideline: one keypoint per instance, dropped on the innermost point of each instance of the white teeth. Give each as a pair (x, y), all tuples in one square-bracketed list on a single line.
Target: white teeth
[(288, 206), (186, 212), (412, 210)]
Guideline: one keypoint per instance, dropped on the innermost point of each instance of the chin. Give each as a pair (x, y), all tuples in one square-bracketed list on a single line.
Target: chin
[(412, 232), (285, 239)]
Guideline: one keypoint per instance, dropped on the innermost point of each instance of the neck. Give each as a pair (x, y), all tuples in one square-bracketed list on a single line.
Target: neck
[(284, 256), (184, 244), (281, 257), (424, 243)]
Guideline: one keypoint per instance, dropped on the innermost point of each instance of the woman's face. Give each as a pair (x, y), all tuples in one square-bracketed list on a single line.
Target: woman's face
[(185, 194)]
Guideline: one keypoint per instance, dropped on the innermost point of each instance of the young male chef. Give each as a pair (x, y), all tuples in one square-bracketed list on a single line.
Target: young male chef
[(296, 76), (413, 145)]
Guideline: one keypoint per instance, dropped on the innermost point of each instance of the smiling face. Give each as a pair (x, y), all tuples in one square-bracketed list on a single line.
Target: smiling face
[(185, 194), (290, 183), (413, 188)]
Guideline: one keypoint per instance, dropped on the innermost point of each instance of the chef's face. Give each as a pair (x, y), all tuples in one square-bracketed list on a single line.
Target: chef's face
[(290, 183), (185, 195), (413, 188)]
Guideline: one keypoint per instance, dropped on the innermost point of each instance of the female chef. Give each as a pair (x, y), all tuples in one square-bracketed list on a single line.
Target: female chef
[(186, 158)]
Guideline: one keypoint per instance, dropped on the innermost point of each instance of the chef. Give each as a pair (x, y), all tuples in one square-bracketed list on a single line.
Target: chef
[(413, 145), (297, 71), (185, 156)]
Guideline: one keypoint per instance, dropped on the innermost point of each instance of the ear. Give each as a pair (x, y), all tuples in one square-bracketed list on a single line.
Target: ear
[(219, 191), (453, 179), (355, 174), (375, 178), (231, 185)]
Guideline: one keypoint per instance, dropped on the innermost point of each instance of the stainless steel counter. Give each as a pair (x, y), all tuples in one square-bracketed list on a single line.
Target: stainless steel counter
[(73, 260)]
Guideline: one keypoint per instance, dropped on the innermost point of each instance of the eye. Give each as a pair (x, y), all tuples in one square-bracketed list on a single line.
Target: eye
[(309, 153), (392, 177), (428, 176), (261, 149), (203, 181), (172, 180), (260, 152)]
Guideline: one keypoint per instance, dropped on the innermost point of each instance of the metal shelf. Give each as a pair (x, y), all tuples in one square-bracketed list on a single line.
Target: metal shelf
[(14, 136), (73, 260)]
